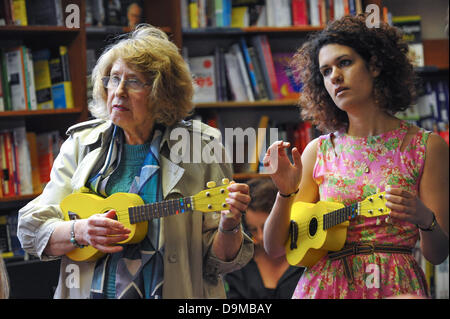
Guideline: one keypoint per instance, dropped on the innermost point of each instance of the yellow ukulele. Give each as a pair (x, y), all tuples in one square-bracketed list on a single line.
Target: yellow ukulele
[(318, 228), (134, 214)]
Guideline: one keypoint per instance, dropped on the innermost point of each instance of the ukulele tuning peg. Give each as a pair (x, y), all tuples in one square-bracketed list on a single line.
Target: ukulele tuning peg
[(225, 181), (211, 184)]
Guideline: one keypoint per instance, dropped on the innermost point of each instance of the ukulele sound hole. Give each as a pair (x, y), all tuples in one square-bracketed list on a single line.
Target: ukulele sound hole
[(313, 227)]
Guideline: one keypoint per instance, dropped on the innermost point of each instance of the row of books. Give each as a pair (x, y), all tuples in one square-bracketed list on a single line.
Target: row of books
[(26, 159), (9, 242), (274, 13), (35, 80), (298, 133), (432, 108), (31, 12), (246, 71), (114, 12)]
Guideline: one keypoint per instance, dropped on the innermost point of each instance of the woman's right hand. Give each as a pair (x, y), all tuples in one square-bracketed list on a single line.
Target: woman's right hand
[(101, 231), (285, 175)]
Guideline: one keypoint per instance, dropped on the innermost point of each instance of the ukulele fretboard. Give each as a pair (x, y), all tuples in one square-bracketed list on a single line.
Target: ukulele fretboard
[(339, 216), (160, 209)]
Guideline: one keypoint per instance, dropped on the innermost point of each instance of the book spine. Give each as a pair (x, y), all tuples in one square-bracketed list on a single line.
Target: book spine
[(250, 68)]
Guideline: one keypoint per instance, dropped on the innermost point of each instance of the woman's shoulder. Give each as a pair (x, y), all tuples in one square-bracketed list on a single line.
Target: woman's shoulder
[(91, 124), (89, 132), (198, 127)]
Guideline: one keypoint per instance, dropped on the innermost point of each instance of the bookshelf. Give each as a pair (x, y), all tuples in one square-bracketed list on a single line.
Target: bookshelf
[(167, 15)]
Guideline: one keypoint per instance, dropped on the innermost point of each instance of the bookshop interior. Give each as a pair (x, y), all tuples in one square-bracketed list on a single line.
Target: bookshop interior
[(239, 54)]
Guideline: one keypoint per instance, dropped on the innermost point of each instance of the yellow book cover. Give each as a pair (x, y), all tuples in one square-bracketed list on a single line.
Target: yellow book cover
[(260, 139), (193, 14), (43, 84), (19, 9)]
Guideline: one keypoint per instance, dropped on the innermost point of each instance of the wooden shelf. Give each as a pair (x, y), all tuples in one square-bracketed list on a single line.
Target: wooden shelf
[(27, 113), (36, 29), (234, 104), (111, 29), (17, 198), (233, 31), (246, 176)]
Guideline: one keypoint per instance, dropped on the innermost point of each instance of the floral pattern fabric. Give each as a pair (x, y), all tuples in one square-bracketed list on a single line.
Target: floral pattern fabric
[(347, 170)]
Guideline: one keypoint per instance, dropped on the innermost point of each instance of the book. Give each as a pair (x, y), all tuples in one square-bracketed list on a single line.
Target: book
[(235, 49), (4, 173), (299, 10), (203, 70), (256, 43), (45, 12), (42, 79), (5, 239), (288, 87), (250, 68), (23, 163), (234, 77), (19, 12), (60, 79), (258, 149), (132, 12), (261, 44), (29, 78), (34, 162), (411, 29), (16, 78), (10, 187), (6, 90), (193, 14), (262, 89), (47, 148), (2, 100), (113, 12)]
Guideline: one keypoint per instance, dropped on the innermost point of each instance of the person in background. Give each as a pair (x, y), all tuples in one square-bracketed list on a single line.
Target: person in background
[(4, 281), (355, 79), (263, 277), (142, 91)]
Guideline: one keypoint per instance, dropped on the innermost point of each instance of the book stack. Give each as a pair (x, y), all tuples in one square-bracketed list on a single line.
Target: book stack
[(35, 80), (245, 71), (197, 14)]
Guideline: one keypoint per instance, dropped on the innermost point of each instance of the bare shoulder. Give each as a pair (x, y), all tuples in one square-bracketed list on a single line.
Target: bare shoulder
[(437, 150)]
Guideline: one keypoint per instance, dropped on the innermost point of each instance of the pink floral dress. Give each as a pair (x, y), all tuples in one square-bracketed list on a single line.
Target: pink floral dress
[(348, 172)]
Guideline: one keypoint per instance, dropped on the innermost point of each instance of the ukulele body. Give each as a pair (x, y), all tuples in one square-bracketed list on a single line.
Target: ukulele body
[(313, 241), (84, 205)]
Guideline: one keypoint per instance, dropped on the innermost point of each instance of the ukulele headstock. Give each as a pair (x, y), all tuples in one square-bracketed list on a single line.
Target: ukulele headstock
[(213, 198), (374, 205)]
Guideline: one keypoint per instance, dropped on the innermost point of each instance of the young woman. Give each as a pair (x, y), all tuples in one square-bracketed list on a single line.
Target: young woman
[(355, 79)]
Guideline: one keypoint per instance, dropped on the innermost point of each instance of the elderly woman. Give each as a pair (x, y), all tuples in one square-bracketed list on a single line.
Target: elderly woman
[(142, 91)]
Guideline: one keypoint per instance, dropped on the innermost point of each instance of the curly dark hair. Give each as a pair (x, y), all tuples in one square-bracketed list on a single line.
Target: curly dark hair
[(394, 88), (263, 193)]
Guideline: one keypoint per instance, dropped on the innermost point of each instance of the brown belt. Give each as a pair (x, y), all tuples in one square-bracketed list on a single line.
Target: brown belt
[(364, 249)]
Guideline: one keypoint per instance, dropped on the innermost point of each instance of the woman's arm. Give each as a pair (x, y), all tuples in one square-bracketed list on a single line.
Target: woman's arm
[(286, 177), (227, 242), (433, 198)]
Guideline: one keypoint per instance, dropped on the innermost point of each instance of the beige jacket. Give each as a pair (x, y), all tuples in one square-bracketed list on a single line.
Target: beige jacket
[(190, 268)]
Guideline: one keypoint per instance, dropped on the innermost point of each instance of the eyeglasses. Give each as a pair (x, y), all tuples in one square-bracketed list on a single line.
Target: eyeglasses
[(113, 82)]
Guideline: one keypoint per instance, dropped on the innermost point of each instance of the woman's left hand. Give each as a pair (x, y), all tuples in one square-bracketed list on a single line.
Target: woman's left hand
[(408, 207), (238, 199)]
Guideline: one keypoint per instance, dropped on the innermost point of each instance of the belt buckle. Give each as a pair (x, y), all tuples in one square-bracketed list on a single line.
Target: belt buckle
[(372, 248)]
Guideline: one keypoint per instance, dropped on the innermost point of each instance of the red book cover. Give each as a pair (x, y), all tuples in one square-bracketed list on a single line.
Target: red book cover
[(45, 156), (269, 65), (12, 187), (299, 12)]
